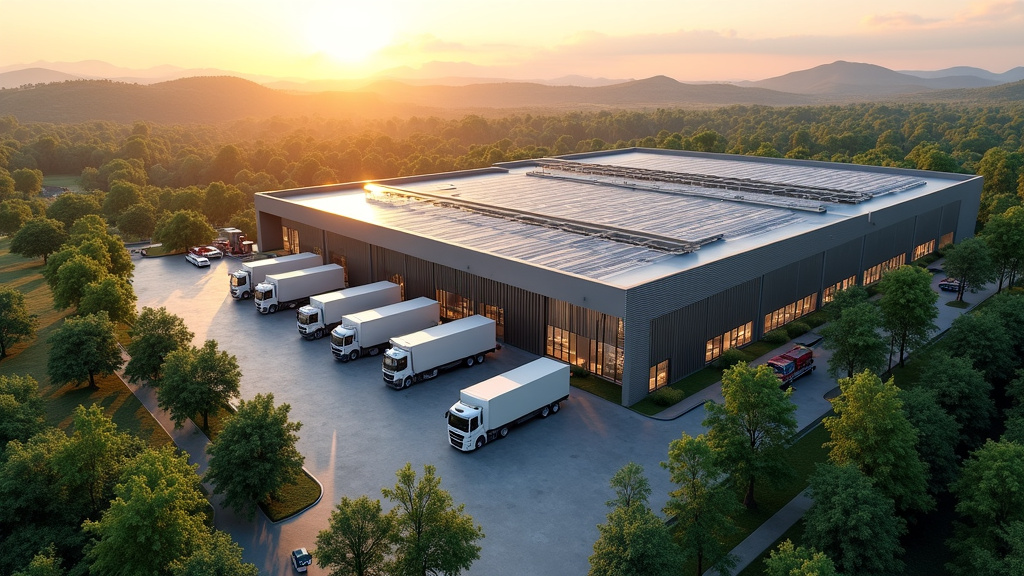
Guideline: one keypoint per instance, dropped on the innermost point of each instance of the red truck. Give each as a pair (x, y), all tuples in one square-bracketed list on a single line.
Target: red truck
[(793, 364)]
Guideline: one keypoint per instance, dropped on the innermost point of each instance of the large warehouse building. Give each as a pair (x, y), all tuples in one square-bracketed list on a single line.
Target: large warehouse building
[(639, 265)]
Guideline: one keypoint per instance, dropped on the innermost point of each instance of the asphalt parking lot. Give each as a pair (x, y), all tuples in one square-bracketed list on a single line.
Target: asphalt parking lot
[(538, 494)]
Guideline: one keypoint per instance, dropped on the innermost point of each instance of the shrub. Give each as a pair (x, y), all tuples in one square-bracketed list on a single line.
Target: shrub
[(777, 336), (578, 371), (795, 329), (667, 396), (729, 358)]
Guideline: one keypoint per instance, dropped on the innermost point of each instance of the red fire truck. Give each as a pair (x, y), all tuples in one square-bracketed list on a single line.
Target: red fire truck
[(792, 364)]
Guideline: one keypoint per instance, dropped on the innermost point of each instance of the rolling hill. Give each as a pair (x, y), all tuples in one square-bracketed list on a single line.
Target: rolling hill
[(858, 79)]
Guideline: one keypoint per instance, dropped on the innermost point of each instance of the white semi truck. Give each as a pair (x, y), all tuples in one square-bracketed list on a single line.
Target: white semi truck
[(325, 311), (242, 282), (368, 332), (487, 410), (420, 355), (291, 289)]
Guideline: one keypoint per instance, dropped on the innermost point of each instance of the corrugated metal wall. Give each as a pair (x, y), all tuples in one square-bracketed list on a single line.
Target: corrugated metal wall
[(673, 337), (927, 227), (842, 262), (357, 257), (311, 238), (950, 216)]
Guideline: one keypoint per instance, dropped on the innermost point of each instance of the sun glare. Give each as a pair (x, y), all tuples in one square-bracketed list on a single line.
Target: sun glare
[(348, 33)]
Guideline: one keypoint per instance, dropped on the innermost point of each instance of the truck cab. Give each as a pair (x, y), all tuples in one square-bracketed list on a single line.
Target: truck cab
[(397, 372), (792, 364), (265, 298), (465, 426), (310, 322), (344, 344), (239, 284)]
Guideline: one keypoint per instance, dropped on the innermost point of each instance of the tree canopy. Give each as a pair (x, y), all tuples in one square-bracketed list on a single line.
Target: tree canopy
[(38, 237), (16, 324), (358, 539), (197, 381), (908, 307), (182, 229), (155, 334), (82, 348)]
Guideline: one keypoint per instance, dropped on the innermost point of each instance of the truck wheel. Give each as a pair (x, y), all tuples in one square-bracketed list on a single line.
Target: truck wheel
[(245, 295), (343, 358), (318, 334), (503, 432), (469, 361), (479, 358), (555, 408), (273, 308), (353, 355), (407, 382), (545, 412), (374, 351), (480, 442)]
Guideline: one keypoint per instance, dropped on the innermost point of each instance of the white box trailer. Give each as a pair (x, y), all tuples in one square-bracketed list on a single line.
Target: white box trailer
[(325, 311), (487, 410), (420, 355), (242, 282), (368, 332), (291, 289)]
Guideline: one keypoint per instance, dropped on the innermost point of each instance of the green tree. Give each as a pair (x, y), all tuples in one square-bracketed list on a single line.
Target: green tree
[(16, 324), (434, 535), (358, 539), (68, 208), (702, 505), (215, 554), (984, 339), (182, 229), (122, 195), (846, 298), (13, 215), (22, 413), (871, 432), (198, 380), (853, 523), (630, 486), (28, 181), (633, 542), (751, 429), (990, 502), (908, 307), (138, 221), (81, 348), (937, 439), (1004, 234), (254, 455), (970, 261), (789, 560), (112, 294), (38, 237), (964, 394), (245, 221), (855, 341), (155, 518), (221, 201), (45, 563), (155, 334), (71, 279)]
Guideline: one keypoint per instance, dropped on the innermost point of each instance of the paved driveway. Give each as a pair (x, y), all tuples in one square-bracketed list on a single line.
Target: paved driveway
[(538, 494)]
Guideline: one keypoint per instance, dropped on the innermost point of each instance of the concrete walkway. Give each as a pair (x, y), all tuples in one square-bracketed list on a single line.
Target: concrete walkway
[(765, 536)]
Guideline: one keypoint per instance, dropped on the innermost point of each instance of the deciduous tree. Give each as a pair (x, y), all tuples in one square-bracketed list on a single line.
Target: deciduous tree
[(855, 340), (113, 295), (13, 214), (1004, 234), (970, 262), (197, 381), (82, 348), (254, 455), (358, 540), (155, 518), (853, 523), (28, 181), (871, 432), (984, 339), (68, 208), (789, 560), (182, 229), (702, 504), (937, 439), (215, 554), (155, 334), (138, 221), (434, 535), (964, 394), (750, 430), (16, 324), (908, 307), (38, 237), (22, 413), (72, 278)]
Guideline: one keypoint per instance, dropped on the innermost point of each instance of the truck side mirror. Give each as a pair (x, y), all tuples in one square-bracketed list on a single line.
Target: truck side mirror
[(445, 414)]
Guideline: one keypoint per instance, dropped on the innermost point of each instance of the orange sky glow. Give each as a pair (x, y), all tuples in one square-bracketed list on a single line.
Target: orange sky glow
[(522, 39)]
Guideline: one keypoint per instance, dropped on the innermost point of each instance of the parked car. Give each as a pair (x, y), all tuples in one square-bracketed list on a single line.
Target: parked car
[(301, 560), (199, 261), (212, 252), (949, 284)]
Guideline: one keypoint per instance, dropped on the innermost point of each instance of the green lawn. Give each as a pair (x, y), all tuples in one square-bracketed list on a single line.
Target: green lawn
[(69, 181)]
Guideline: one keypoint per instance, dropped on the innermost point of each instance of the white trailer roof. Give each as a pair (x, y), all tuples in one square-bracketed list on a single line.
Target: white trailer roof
[(352, 292), (502, 383), (389, 309), (441, 330)]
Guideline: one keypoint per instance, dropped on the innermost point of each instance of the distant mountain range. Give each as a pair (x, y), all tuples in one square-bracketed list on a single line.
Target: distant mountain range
[(45, 95)]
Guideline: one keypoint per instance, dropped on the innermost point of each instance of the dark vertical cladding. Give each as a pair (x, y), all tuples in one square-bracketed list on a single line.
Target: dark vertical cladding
[(674, 336), (842, 262), (927, 227), (950, 217), (310, 237), (356, 254)]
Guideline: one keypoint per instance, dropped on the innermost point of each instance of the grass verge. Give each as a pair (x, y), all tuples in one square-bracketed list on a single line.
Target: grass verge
[(292, 499), (610, 391), (688, 386)]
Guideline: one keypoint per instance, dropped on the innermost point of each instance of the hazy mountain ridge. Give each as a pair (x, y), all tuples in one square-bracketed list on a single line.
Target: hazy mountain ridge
[(854, 78)]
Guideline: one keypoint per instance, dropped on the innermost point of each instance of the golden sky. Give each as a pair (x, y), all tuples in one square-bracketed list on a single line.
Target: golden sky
[(687, 40)]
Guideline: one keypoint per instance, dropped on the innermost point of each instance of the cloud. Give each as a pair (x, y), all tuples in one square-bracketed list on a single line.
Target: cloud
[(898, 20)]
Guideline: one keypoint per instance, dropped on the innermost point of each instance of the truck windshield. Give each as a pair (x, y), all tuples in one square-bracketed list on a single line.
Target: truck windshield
[(236, 281), (395, 364), (306, 319), (458, 422), (260, 295)]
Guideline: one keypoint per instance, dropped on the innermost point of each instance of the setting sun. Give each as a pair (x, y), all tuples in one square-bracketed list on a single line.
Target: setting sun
[(348, 34)]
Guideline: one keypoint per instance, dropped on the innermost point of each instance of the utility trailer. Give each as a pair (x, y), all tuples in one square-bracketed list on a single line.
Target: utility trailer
[(421, 355)]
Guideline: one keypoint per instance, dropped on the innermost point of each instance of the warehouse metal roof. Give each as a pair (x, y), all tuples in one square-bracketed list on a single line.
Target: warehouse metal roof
[(608, 216)]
